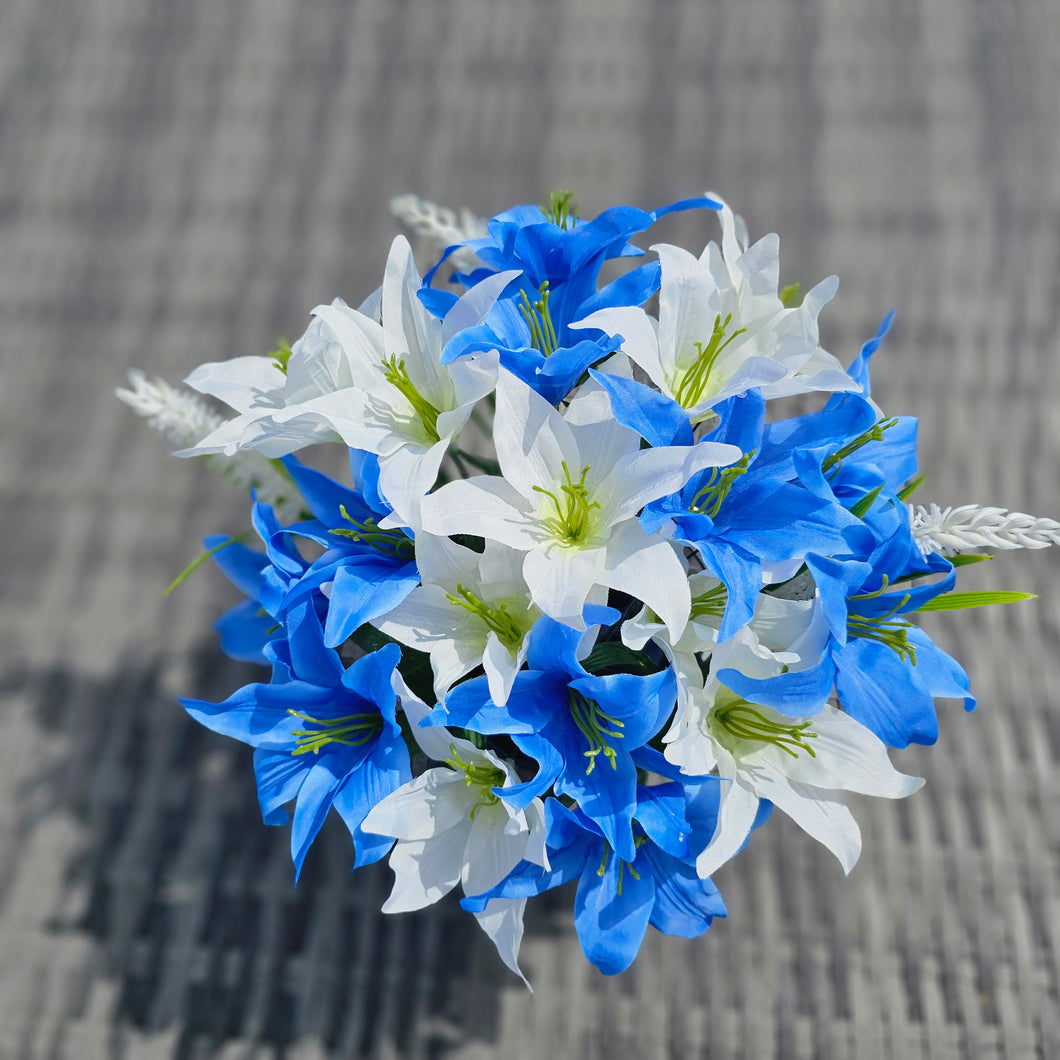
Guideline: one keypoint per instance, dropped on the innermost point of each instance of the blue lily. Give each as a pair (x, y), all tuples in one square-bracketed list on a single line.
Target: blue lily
[(617, 898), (581, 729), (887, 671), (525, 331), (370, 570), (246, 628), (846, 451), (748, 518), (325, 736), (266, 578), (560, 259)]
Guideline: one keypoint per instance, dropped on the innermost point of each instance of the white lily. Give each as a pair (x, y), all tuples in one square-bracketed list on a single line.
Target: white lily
[(452, 827), (260, 389), (502, 920), (404, 404), (571, 490), (793, 632), (723, 328), (804, 766), (182, 419), (472, 609), (700, 635), (376, 384)]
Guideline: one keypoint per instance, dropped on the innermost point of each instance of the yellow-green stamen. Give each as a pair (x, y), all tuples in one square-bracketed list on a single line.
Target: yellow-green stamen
[(709, 499), (709, 604), (392, 542), (593, 722), (395, 373), (895, 635), (880, 628), (478, 775), (572, 520), (745, 722), (562, 210), (281, 355), (873, 434), (539, 321), (693, 385), (638, 841), (351, 730), (496, 618)]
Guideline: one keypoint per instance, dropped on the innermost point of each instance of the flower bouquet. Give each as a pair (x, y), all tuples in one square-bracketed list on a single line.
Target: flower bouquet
[(590, 605)]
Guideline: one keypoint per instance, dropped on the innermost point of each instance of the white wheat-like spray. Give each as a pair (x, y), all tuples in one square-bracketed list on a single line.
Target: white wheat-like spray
[(184, 420), (949, 530), (440, 227)]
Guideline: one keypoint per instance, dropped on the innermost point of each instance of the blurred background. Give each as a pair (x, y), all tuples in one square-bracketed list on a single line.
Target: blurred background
[(183, 182)]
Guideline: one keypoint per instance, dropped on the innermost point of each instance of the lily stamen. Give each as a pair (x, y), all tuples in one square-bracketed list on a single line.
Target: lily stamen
[(496, 618), (395, 373), (743, 721), (478, 775), (539, 321), (873, 434), (351, 730), (710, 604), (693, 385), (709, 499), (392, 542), (593, 722), (572, 520)]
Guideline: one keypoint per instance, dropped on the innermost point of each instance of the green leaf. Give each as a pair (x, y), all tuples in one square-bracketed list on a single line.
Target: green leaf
[(198, 561), (281, 469), (861, 508), (612, 654), (370, 639), (281, 355), (960, 601), (475, 738), (476, 544), (483, 463), (907, 490), (962, 559)]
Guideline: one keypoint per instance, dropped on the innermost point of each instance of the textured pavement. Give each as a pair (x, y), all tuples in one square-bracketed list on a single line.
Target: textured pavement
[(184, 181)]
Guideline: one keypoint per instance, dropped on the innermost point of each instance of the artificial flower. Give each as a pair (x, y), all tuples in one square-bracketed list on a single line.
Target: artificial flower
[(570, 490)]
